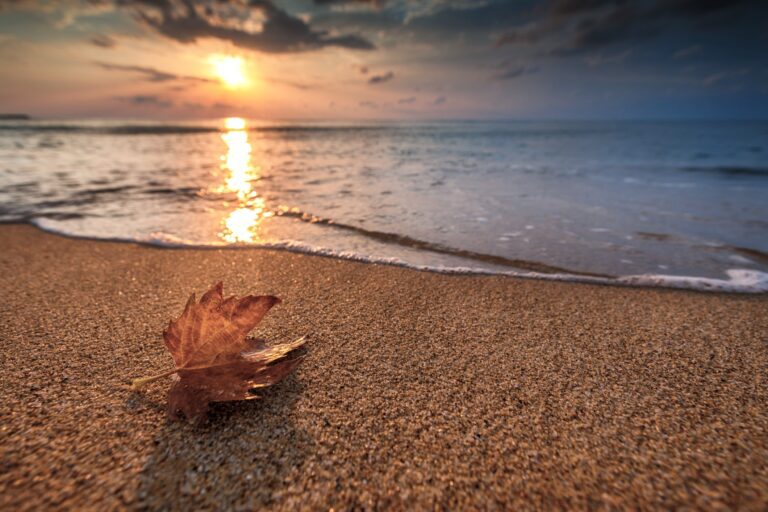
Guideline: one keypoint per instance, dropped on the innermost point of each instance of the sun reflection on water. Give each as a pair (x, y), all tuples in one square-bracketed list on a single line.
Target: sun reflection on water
[(238, 163), (242, 224)]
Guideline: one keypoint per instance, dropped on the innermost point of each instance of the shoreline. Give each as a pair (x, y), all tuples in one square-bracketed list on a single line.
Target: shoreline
[(419, 391), (742, 281)]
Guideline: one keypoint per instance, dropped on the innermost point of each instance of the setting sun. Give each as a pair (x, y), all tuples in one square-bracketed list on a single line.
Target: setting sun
[(234, 123), (230, 70)]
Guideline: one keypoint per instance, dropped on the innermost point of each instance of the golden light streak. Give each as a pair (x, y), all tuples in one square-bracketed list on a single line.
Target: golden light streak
[(241, 225), (238, 163)]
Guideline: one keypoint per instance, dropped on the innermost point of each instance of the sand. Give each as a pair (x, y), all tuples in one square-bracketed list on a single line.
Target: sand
[(420, 391)]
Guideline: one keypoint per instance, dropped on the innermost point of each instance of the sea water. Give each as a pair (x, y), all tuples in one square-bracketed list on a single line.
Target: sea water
[(648, 203)]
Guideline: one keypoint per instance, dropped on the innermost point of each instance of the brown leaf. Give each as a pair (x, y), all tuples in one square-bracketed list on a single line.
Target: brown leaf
[(215, 360)]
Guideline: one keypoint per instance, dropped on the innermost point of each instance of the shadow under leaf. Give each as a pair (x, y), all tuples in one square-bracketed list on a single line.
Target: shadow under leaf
[(238, 459)]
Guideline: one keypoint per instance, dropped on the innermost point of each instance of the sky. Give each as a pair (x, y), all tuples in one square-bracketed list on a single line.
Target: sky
[(385, 59)]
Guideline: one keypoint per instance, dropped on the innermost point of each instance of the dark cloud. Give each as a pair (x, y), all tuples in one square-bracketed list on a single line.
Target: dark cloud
[(558, 15), (373, 3), (151, 74), (613, 25), (202, 106), (510, 73), (692, 8), (102, 41), (565, 8), (407, 101), (601, 59), (280, 32), (439, 100), (290, 83), (380, 79), (578, 26), (145, 100)]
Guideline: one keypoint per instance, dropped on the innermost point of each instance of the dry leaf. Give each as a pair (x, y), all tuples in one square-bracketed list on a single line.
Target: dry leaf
[(215, 360)]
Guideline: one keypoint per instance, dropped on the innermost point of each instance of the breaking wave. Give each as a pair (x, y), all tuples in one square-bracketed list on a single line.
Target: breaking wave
[(738, 281)]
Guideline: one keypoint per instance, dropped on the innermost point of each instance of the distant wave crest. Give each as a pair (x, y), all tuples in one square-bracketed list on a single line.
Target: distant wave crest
[(729, 170)]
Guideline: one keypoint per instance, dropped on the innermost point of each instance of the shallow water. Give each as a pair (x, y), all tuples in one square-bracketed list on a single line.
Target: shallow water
[(577, 200)]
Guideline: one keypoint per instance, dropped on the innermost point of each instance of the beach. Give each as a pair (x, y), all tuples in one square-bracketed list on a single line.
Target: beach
[(419, 391)]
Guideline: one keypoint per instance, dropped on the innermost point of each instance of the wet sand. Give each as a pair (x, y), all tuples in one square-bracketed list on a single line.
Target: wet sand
[(420, 390)]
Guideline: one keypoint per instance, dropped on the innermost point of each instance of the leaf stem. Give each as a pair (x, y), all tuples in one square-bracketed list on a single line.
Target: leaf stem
[(140, 382)]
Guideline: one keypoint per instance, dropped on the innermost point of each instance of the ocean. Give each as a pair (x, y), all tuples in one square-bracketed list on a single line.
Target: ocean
[(680, 204)]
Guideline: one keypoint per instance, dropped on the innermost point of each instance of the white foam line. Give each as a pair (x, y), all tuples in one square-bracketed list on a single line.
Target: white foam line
[(739, 280)]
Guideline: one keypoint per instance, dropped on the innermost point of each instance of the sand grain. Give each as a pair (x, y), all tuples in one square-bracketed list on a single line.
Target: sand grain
[(420, 390)]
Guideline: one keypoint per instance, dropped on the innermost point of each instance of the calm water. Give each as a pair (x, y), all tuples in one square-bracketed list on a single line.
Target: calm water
[(569, 199)]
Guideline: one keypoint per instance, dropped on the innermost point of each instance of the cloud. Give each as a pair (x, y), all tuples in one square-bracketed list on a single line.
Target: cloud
[(151, 74), (60, 13), (576, 26), (686, 52), (202, 106), (716, 78), (407, 101), (556, 16), (461, 16), (380, 79), (433, 22), (373, 3), (291, 83), (102, 41), (384, 21), (601, 59), (439, 100), (280, 32), (510, 73), (145, 100), (613, 25), (363, 70)]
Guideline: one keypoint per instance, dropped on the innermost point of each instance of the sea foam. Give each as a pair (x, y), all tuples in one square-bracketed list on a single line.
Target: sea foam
[(738, 281)]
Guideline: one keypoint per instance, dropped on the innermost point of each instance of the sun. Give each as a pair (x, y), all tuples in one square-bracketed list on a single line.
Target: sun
[(230, 70)]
